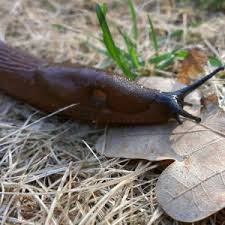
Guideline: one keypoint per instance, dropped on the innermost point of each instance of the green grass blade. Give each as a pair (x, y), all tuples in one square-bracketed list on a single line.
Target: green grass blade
[(134, 57), (110, 45), (107, 37), (59, 27), (167, 62), (131, 47), (134, 19), (153, 35), (129, 43), (104, 8), (181, 54), (176, 34), (163, 61), (214, 61), (159, 58)]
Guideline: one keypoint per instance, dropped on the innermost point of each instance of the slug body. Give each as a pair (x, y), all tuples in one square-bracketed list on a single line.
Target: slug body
[(97, 95)]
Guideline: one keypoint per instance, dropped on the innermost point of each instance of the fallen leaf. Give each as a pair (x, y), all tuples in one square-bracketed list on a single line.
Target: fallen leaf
[(138, 142), (192, 66), (194, 188)]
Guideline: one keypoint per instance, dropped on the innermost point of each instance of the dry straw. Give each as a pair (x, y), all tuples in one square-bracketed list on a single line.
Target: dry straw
[(50, 172)]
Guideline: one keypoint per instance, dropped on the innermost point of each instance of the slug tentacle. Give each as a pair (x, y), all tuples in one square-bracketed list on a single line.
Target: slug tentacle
[(176, 106), (177, 97), (187, 104), (187, 90), (187, 115)]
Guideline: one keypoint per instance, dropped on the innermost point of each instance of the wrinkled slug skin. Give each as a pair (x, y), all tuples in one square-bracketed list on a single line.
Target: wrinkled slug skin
[(98, 96)]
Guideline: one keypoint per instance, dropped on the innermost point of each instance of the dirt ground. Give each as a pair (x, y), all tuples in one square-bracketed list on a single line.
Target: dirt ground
[(50, 171)]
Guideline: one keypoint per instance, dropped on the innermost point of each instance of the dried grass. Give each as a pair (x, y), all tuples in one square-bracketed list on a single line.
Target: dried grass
[(50, 173)]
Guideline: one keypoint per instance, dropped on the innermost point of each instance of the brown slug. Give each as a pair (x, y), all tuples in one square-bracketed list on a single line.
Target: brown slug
[(99, 96)]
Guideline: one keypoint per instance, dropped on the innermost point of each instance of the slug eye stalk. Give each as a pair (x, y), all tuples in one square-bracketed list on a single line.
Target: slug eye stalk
[(177, 97)]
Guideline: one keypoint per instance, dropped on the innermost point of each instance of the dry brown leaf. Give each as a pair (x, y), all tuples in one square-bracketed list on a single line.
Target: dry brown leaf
[(194, 188), (139, 142), (192, 66)]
